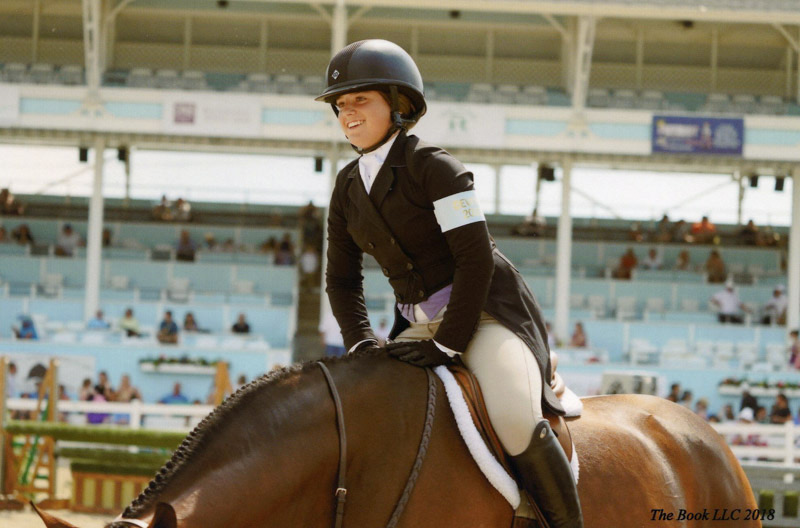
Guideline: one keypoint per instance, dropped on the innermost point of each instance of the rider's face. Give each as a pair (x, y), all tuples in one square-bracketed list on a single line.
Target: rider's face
[(365, 117)]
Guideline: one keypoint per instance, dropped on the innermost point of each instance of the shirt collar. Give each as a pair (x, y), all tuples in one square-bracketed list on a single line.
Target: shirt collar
[(369, 164)]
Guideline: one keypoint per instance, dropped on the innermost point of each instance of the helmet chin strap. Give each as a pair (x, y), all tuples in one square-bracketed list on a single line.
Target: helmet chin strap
[(398, 123)]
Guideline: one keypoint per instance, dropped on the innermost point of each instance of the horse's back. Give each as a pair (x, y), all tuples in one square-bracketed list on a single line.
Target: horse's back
[(640, 454)]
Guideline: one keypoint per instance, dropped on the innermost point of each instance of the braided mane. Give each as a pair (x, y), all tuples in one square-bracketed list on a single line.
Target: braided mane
[(192, 445)]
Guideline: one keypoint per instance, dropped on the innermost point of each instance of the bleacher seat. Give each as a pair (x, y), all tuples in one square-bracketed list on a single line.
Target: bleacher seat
[(141, 78), (744, 103), (41, 73), (286, 83), (624, 99), (598, 97), (70, 74), (532, 95), (193, 80), (505, 94), (480, 93), (258, 82), (15, 72), (652, 100)]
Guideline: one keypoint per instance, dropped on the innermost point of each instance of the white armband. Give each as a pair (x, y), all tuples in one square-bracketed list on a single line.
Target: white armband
[(458, 210)]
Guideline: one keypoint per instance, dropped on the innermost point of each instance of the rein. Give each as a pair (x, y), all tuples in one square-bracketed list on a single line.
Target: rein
[(341, 487)]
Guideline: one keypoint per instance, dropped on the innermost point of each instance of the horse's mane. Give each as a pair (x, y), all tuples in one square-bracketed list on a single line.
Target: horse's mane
[(201, 434)]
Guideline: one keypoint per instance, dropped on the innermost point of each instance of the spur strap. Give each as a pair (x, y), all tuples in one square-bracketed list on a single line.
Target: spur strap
[(341, 488)]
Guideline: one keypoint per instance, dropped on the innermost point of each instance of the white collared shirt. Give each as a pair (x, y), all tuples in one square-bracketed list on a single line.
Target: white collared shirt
[(370, 164)]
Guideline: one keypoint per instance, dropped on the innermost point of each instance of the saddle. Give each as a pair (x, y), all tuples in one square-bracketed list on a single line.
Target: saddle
[(528, 514)]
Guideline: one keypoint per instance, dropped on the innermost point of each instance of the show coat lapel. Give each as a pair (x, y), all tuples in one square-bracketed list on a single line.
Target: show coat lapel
[(359, 198), (384, 181)]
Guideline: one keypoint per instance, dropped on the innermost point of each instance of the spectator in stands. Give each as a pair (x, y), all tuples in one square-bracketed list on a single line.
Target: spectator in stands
[(627, 263), (163, 211), (127, 392), (97, 418), (775, 309), (331, 336), (4, 238), (311, 225), (636, 234), (284, 255), (579, 339), (176, 396), (727, 413), (309, 267), (185, 248), (683, 261), (532, 225), (552, 342), (86, 391), (382, 332), (104, 387), (9, 205), (11, 380), (241, 381), (674, 392), (182, 210), (704, 232), (241, 326), (701, 408), (269, 246), (190, 324), (22, 235), (107, 239), (129, 324), (748, 400), (211, 242), (728, 305), (715, 267), (229, 246), (98, 322), (794, 349), (681, 232), (663, 231), (761, 415), (68, 241), (686, 399), (27, 329), (749, 235), (780, 412), (167, 330), (653, 260)]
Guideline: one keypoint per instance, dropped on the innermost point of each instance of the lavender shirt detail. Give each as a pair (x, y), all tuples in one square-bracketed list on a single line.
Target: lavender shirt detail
[(431, 306)]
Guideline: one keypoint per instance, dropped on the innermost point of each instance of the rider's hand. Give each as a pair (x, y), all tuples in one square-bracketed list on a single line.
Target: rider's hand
[(423, 353)]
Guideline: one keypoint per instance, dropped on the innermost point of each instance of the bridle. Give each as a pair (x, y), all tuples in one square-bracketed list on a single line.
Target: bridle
[(341, 487)]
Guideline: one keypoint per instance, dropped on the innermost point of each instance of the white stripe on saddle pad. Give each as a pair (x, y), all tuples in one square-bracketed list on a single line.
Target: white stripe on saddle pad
[(488, 464)]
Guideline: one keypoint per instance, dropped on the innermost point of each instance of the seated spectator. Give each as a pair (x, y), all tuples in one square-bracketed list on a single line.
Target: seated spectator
[(27, 330), (229, 246), (761, 415), (97, 418), (176, 396), (284, 255), (727, 413), (127, 392), (211, 242), (241, 326), (11, 381), (794, 349), (309, 267), (636, 234), (241, 381), (681, 232), (728, 305), (686, 399), (86, 391), (22, 235), (190, 324), (103, 386), (167, 330), (163, 211), (182, 210), (775, 309), (4, 238), (747, 416), (653, 260), (674, 392), (663, 231), (269, 246), (107, 239), (185, 248), (627, 263), (704, 232), (780, 413), (532, 225), (129, 324), (579, 339), (683, 261), (98, 322), (715, 267), (67, 241), (701, 408), (749, 235), (9, 205), (748, 400)]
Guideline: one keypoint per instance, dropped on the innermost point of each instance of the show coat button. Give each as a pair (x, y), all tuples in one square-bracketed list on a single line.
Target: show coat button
[(392, 241), (370, 245), (421, 293), (410, 266), (386, 271)]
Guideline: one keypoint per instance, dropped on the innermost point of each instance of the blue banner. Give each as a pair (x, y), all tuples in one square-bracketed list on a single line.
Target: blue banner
[(698, 135)]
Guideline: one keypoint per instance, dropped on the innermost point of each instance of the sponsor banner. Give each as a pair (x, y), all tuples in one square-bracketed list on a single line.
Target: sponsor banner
[(698, 135), (462, 125), (212, 116), (9, 105)]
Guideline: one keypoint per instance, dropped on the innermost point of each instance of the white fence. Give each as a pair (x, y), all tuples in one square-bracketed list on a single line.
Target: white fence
[(774, 445)]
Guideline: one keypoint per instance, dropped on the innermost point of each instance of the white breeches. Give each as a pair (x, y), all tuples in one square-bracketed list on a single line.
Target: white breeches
[(508, 374)]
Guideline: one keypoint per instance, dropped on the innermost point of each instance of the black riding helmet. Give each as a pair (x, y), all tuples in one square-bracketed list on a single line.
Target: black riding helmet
[(376, 65)]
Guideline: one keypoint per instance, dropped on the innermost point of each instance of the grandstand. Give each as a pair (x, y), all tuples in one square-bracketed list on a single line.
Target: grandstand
[(569, 85)]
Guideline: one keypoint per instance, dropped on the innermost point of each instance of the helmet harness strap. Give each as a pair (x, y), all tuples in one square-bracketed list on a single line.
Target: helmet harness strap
[(398, 123)]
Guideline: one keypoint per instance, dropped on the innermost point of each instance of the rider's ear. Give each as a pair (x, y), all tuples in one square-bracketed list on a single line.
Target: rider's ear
[(164, 517)]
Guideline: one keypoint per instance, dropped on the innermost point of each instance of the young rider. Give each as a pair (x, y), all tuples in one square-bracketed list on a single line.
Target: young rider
[(413, 207)]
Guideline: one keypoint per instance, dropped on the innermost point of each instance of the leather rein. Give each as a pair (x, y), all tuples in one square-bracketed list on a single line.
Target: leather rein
[(341, 486)]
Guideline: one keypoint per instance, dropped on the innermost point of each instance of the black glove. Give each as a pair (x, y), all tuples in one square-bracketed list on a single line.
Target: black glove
[(423, 353)]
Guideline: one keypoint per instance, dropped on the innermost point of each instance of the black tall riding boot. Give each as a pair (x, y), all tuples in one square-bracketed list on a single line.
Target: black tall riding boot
[(544, 472)]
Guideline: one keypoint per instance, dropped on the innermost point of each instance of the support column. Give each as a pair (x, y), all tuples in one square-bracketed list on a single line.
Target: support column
[(793, 266), (333, 158), (94, 235), (338, 27), (563, 254), (37, 12), (714, 58), (92, 43), (737, 176), (639, 58), (497, 187)]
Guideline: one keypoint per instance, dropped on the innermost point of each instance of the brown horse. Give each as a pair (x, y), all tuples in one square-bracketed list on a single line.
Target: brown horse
[(268, 457)]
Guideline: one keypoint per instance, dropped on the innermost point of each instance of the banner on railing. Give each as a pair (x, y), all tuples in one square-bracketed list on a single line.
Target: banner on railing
[(698, 135), (463, 125), (197, 114)]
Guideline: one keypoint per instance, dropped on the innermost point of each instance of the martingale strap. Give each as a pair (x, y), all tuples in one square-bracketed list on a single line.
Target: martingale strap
[(341, 488)]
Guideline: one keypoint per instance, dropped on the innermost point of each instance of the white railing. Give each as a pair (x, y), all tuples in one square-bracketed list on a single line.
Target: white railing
[(763, 443), (136, 414)]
